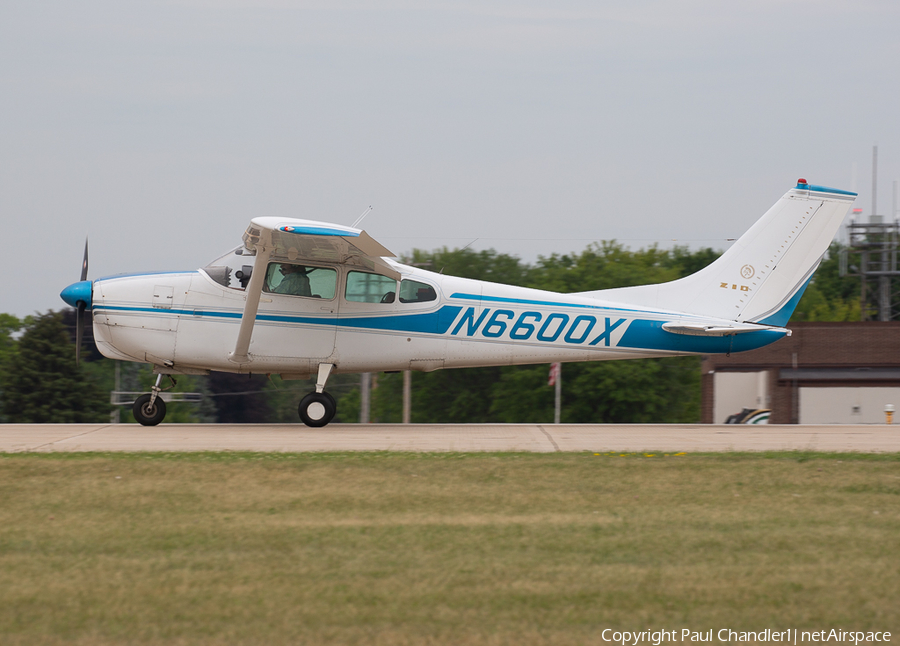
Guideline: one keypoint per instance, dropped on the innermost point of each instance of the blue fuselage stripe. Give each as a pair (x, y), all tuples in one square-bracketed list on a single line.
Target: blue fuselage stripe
[(437, 322)]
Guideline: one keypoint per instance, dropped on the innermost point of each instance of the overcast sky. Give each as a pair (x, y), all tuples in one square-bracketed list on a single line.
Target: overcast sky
[(158, 129)]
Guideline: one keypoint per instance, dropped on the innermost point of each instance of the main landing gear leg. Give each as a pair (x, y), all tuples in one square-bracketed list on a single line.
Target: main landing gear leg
[(318, 408), (150, 409)]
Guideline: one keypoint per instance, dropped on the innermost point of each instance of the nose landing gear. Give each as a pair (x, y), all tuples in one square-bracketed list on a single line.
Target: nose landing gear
[(147, 411), (150, 409)]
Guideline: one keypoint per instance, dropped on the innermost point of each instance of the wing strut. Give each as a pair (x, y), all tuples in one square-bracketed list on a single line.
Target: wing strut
[(254, 291)]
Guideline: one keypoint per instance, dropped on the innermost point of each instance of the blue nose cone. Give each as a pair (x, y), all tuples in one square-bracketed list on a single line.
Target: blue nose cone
[(80, 292)]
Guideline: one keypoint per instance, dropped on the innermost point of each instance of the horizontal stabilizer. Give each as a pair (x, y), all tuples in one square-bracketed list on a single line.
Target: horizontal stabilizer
[(697, 329)]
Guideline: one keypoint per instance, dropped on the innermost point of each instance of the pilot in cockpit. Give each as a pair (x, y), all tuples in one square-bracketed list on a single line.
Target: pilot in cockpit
[(295, 281)]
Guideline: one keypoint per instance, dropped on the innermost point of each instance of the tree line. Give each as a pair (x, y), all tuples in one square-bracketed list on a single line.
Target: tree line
[(40, 382)]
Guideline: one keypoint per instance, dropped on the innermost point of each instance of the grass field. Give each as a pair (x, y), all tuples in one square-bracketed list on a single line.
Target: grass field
[(403, 548)]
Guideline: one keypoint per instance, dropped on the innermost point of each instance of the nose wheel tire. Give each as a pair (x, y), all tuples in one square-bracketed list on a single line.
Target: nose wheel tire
[(145, 413), (317, 409)]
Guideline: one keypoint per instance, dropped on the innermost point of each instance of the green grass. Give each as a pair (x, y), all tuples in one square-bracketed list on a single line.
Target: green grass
[(405, 548)]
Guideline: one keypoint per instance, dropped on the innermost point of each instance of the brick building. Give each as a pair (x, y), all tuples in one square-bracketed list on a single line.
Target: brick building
[(822, 373)]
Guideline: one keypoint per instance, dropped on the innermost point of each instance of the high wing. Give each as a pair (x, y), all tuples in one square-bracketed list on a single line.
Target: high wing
[(274, 238), (293, 239)]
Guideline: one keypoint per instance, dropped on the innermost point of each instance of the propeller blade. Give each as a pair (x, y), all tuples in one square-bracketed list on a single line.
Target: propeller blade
[(84, 264), (79, 331)]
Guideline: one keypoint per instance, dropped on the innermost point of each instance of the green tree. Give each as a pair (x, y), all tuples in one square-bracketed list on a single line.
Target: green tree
[(604, 266), (42, 384), (9, 325), (830, 296), (480, 265), (687, 262), (631, 392), (522, 394), (455, 396)]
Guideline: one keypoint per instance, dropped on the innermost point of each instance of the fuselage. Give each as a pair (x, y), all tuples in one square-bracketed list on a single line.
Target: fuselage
[(187, 322)]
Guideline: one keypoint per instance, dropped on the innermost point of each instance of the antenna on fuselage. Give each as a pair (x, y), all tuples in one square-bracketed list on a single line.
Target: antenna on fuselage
[(360, 218), (463, 249)]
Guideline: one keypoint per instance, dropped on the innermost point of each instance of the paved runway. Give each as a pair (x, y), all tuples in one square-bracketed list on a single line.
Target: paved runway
[(439, 437)]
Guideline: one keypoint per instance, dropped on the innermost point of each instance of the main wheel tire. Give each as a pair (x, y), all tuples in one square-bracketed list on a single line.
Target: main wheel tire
[(317, 409), (145, 413)]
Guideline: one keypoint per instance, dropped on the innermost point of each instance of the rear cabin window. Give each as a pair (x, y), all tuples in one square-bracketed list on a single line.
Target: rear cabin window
[(300, 280), (363, 287), (412, 291)]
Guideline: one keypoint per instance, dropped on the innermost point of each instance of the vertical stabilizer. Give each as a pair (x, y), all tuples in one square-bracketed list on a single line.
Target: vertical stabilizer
[(761, 277)]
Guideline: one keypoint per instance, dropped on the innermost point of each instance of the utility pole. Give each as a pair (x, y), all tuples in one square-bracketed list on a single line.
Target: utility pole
[(557, 411), (114, 416), (407, 395), (874, 180), (365, 387)]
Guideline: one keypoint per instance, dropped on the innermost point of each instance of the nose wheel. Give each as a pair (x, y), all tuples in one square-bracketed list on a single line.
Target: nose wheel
[(150, 409), (147, 412)]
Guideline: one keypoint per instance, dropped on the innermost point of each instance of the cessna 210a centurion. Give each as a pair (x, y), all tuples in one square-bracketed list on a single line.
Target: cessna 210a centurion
[(306, 299)]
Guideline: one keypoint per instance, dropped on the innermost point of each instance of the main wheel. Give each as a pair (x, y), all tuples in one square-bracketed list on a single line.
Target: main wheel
[(145, 413), (317, 409)]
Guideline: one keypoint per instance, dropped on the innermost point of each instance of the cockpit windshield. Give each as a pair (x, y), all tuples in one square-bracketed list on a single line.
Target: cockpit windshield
[(232, 269)]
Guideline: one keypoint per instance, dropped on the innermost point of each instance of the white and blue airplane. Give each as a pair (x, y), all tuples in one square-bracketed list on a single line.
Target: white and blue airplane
[(305, 299)]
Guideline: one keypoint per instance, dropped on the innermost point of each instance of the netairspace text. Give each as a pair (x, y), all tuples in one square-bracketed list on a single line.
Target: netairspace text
[(789, 636)]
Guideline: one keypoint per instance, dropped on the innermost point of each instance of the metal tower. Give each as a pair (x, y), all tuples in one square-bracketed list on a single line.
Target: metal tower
[(871, 254)]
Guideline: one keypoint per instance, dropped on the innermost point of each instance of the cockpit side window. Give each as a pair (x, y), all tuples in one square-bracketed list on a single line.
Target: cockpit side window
[(412, 291), (363, 287), (300, 280)]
